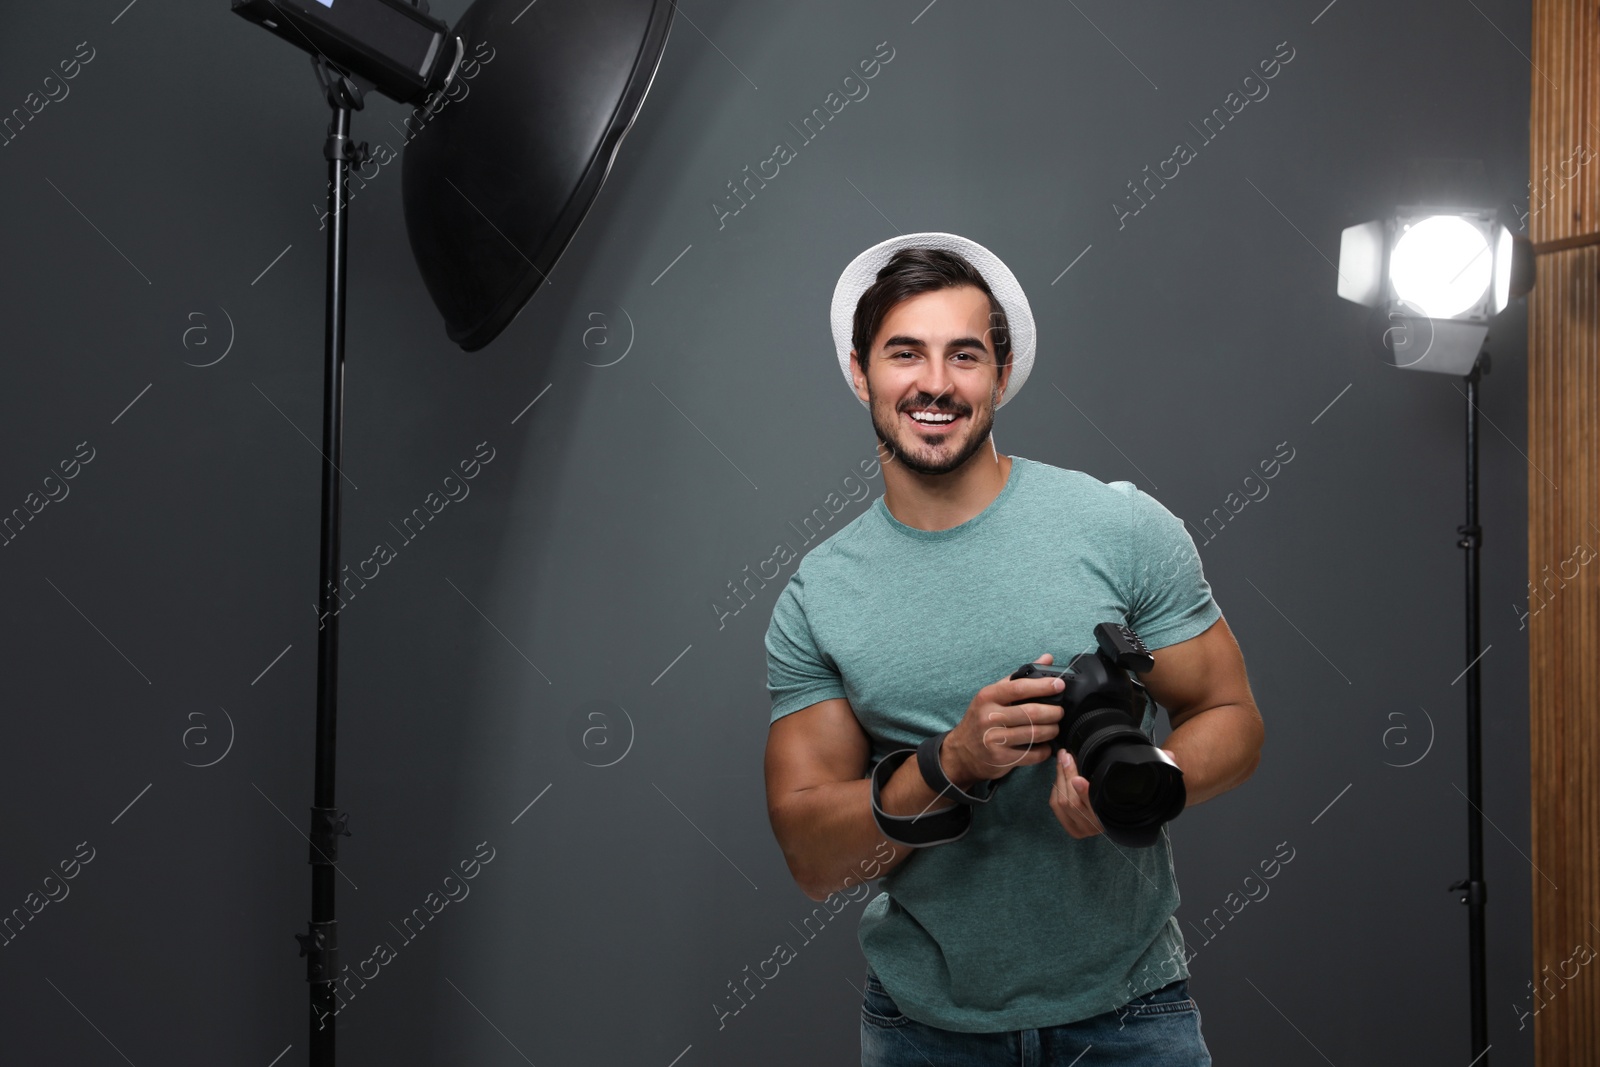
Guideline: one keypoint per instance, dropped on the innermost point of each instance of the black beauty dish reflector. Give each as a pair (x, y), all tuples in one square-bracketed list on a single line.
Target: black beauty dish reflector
[(516, 116), (499, 180)]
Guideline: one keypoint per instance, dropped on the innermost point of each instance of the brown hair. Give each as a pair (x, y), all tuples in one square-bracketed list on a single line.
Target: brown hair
[(909, 272)]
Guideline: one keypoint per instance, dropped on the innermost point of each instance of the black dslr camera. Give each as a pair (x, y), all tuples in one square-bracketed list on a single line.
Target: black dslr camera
[(1134, 787)]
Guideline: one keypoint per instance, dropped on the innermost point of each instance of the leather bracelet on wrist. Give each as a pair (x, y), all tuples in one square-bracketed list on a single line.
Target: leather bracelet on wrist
[(915, 831), (939, 782)]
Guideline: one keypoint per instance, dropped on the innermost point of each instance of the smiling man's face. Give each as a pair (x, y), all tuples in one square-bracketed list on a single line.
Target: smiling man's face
[(933, 353)]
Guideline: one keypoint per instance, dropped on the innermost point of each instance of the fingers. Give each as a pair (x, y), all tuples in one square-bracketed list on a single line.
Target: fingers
[(1069, 799), (1019, 689), (1012, 730), (1022, 714), (1020, 692), (998, 753), (1009, 722), (1029, 731), (1009, 690)]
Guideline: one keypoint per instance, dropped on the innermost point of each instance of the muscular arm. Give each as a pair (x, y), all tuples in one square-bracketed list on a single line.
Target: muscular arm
[(1217, 732), (820, 802)]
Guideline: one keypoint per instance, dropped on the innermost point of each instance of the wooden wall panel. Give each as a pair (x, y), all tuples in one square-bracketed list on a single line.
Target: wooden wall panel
[(1564, 535)]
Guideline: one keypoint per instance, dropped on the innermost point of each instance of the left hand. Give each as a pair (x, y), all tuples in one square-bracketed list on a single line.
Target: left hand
[(1069, 798)]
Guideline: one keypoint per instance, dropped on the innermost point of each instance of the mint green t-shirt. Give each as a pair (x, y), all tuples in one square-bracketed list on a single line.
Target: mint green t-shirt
[(1016, 925)]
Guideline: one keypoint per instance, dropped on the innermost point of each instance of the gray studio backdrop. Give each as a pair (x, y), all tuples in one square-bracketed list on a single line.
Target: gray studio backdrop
[(553, 678)]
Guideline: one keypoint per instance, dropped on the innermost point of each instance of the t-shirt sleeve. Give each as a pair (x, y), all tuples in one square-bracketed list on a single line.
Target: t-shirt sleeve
[(1169, 598), (799, 674)]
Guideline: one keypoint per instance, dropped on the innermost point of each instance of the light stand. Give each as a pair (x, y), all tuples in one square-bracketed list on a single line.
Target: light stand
[(493, 195), (1457, 325), (320, 944), (1473, 888)]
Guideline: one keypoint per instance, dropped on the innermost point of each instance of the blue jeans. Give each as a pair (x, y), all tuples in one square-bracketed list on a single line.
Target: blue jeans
[(1158, 1029)]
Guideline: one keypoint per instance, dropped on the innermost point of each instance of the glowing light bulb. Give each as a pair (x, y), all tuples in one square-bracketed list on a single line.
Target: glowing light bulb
[(1441, 266)]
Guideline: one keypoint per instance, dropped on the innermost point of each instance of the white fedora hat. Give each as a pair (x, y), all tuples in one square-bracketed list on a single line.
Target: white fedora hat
[(863, 271)]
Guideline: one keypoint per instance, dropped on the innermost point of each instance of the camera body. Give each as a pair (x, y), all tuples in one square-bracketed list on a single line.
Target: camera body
[(1134, 787)]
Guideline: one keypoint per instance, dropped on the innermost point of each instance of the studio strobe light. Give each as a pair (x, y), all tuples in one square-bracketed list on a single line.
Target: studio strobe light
[(400, 50), (495, 186)]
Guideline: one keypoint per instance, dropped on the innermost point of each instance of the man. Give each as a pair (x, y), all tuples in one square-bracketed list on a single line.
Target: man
[(1018, 932)]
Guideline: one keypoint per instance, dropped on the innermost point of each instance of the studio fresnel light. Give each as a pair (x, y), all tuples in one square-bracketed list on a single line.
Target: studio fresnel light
[(1435, 278)]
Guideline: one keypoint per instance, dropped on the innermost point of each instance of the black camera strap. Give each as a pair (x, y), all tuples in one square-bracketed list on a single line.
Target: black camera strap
[(933, 773), (916, 831)]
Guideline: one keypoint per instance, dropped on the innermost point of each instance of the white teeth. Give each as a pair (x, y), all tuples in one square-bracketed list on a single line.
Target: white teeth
[(929, 417)]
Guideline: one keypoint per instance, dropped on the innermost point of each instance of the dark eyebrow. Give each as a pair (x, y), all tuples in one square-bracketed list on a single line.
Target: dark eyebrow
[(912, 342)]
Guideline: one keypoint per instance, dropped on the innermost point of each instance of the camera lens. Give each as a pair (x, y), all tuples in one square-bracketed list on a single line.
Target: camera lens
[(1132, 785)]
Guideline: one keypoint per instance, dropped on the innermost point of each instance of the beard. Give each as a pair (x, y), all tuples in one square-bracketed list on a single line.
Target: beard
[(916, 452)]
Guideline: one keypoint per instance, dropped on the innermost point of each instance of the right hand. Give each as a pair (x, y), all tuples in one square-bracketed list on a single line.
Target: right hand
[(1001, 731)]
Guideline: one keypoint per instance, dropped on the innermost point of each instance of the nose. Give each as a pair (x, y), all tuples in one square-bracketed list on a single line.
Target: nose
[(935, 379)]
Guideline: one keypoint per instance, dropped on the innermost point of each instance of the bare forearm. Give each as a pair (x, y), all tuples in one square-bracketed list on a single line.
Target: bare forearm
[(830, 838), (1217, 749)]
